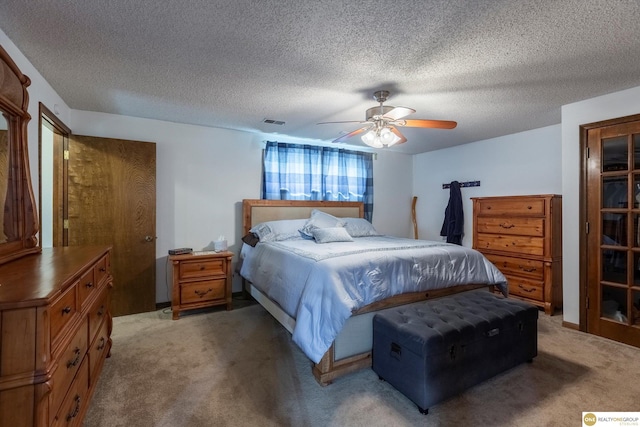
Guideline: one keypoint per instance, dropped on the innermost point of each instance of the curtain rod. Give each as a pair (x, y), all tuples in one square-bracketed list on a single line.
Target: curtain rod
[(463, 184)]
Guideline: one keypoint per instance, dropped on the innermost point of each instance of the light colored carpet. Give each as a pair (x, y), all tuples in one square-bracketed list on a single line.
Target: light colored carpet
[(240, 368)]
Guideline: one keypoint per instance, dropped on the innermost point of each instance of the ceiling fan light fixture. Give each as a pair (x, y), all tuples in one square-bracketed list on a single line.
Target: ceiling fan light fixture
[(382, 138)]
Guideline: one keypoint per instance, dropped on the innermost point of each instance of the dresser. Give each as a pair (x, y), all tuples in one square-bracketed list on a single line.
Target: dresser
[(200, 279), (55, 329), (522, 236)]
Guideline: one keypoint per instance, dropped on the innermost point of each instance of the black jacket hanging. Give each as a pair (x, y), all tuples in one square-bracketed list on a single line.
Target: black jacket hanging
[(453, 224)]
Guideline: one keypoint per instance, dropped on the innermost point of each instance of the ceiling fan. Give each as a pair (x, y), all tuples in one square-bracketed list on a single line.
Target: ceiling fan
[(380, 130)]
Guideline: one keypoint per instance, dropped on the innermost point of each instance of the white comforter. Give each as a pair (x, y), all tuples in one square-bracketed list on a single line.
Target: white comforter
[(321, 284)]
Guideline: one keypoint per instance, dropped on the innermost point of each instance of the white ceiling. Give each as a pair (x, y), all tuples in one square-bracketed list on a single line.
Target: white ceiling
[(495, 66)]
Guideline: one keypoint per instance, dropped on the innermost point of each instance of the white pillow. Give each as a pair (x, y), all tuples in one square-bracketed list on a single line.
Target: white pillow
[(359, 227), (331, 234), (320, 219), (273, 231)]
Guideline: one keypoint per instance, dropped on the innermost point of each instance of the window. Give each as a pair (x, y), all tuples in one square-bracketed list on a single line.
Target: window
[(307, 172)]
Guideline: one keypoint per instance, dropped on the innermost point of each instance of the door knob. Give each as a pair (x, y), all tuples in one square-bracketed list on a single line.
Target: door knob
[(148, 238)]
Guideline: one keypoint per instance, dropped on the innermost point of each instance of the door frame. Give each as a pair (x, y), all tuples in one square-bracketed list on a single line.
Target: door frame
[(583, 217), (48, 118)]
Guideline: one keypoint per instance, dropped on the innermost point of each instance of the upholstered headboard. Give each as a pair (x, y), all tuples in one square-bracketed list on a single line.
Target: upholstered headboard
[(255, 211)]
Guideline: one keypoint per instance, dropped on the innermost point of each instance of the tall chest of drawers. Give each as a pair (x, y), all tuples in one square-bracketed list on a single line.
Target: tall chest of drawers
[(55, 329), (522, 236)]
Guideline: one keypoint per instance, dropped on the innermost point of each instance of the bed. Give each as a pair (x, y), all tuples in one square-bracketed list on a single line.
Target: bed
[(326, 295)]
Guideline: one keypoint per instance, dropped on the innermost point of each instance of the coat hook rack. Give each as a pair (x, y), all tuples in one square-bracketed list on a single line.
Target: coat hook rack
[(463, 184)]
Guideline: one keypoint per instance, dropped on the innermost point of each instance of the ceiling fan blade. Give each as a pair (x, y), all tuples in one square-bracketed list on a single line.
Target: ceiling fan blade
[(397, 133), (398, 113), (434, 124), (350, 134), (346, 121)]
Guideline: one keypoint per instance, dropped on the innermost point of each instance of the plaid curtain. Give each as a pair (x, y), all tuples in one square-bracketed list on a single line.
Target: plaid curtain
[(307, 172)]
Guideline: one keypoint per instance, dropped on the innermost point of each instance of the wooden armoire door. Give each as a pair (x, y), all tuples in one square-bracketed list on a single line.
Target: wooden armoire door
[(613, 239), (112, 200)]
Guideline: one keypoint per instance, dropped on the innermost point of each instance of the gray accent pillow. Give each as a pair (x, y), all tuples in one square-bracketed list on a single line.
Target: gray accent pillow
[(273, 231), (331, 234), (359, 227), (320, 219)]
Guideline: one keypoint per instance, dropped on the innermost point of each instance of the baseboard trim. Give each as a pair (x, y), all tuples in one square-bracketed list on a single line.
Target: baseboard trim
[(570, 325)]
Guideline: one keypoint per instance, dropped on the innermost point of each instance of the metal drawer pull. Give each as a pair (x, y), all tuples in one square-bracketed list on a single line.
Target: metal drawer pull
[(203, 293), (507, 225), (74, 362), (101, 345), (528, 270), (89, 285), (526, 290), (102, 269), (66, 310), (101, 310), (75, 410)]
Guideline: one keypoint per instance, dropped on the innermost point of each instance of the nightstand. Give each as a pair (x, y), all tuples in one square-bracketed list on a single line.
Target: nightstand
[(200, 279)]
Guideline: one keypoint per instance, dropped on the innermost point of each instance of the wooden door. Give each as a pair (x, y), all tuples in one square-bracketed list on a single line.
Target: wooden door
[(613, 239), (111, 200)]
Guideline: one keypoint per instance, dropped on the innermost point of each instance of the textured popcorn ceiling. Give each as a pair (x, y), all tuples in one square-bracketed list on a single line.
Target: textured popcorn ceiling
[(496, 67)]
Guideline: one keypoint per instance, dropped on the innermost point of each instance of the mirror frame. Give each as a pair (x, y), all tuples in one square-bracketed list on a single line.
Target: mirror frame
[(14, 101)]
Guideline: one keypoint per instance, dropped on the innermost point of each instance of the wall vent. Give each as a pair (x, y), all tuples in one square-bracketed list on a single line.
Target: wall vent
[(273, 122)]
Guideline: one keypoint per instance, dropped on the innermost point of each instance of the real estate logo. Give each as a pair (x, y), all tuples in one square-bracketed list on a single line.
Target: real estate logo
[(589, 419), (610, 419)]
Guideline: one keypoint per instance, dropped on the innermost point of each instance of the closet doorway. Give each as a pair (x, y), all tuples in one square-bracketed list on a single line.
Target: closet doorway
[(612, 200), (102, 191)]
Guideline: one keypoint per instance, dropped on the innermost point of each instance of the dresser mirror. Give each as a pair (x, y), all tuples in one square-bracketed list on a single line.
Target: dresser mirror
[(18, 216)]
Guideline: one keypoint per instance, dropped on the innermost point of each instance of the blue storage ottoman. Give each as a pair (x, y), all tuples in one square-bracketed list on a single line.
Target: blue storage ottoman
[(435, 349)]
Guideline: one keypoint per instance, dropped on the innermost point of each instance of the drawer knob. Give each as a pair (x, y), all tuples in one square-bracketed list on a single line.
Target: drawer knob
[(66, 310), (89, 284), (201, 267), (101, 310), (74, 362), (101, 346), (203, 293), (74, 414), (102, 269)]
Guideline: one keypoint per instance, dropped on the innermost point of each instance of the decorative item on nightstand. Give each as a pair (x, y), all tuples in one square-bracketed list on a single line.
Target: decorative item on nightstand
[(201, 279)]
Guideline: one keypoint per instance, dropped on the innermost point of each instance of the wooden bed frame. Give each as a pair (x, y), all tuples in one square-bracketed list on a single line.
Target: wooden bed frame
[(351, 350)]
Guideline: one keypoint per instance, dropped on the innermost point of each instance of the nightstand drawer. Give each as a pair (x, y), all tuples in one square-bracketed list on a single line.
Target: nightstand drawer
[(202, 268), (512, 226), (532, 289), (518, 266), (511, 207), (205, 290), (62, 311), (516, 244)]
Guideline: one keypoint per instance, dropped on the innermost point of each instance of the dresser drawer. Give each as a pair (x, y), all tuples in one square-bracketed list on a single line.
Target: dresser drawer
[(532, 289), (101, 269), (76, 398), (522, 207), (68, 365), (205, 290), (518, 266), (202, 268), (98, 312), (98, 350), (62, 311), (511, 226), (515, 244), (86, 285)]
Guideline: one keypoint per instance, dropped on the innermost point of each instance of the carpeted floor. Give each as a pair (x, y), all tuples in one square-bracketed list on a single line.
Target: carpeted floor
[(240, 368)]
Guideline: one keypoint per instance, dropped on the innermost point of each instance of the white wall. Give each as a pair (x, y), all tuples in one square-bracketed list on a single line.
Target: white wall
[(614, 105), (204, 173), (522, 163)]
